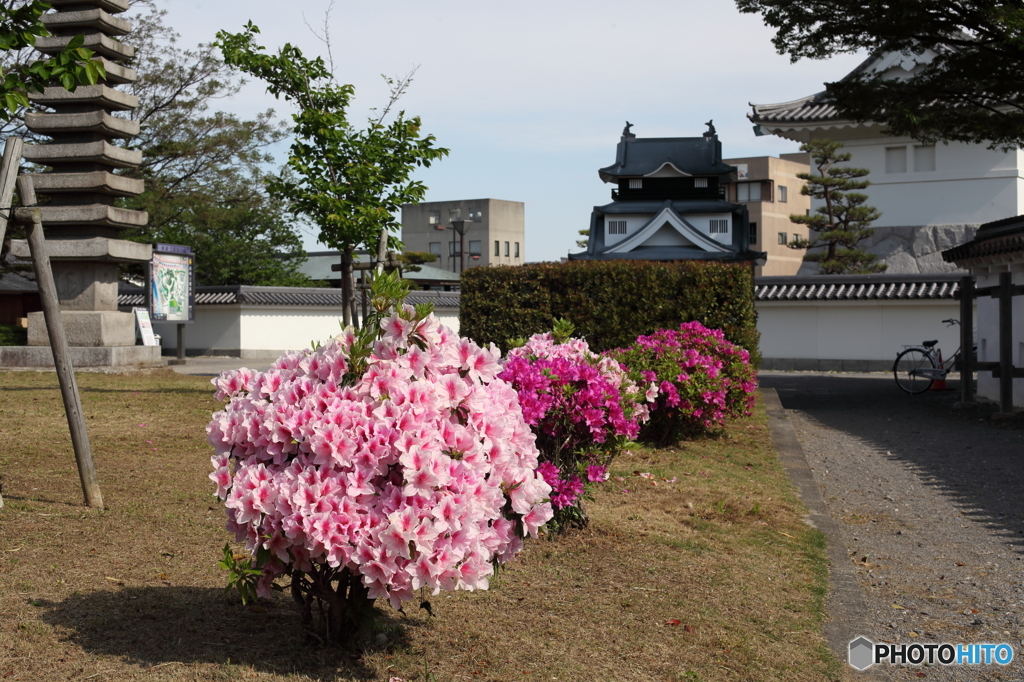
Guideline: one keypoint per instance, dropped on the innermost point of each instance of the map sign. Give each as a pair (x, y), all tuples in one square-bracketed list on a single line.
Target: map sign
[(171, 296)]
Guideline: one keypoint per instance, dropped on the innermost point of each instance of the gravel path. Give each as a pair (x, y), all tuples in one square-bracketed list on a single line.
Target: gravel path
[(930, 505)]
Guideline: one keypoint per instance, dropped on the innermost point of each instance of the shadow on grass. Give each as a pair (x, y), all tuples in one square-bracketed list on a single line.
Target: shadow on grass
[(153, 625)]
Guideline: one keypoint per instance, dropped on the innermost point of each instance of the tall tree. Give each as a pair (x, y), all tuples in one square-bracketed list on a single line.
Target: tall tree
[(973, 89), (20, 26), (841, 220), (205, 170), (349, 182)]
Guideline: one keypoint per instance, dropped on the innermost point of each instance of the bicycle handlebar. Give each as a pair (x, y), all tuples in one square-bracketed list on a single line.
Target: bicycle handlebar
[(950, 322)]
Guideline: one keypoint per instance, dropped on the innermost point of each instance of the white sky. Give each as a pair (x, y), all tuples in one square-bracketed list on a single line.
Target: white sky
[(531, 97)]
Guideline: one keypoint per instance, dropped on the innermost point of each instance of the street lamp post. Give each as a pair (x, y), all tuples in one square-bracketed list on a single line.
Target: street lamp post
[(460, 227)]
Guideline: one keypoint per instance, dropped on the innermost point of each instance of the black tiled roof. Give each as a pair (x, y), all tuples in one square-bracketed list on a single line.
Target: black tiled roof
[(992, 239), (289, 296), (857, 287), (640, 156)]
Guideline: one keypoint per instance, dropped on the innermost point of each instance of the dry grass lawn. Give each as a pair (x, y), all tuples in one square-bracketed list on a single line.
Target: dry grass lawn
[(711, 577)]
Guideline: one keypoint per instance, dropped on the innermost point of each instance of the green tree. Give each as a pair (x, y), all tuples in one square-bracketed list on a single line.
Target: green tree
[(583, 243), (205, 170), (349, 182), (972, 91), (841, 221), (412, 260), (20, 26)]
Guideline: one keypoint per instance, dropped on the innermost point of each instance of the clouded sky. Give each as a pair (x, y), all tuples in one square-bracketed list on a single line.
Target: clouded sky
[(531, 97)]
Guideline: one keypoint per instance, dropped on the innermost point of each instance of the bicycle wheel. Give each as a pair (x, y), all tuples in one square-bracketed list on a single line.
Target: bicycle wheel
[(906, 368)]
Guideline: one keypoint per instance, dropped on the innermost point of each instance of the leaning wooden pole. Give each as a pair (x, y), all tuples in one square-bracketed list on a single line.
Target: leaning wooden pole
[(59, 343), (8, 174)]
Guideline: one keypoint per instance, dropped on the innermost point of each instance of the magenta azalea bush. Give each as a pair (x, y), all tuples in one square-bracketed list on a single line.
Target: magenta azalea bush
[(376, 472), (583, 409), (702, 380)]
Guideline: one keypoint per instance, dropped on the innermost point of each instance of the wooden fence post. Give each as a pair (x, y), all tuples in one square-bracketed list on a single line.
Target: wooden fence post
[(59, 346), (967, 339), (1005, 343)]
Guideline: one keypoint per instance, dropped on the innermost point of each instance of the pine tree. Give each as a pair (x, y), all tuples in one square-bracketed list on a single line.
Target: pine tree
[(841, 221)]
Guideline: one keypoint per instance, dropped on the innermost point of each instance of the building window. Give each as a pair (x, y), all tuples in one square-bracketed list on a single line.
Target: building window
[(924, 158), (435, 218), (748, 191), (636, 183), (783, 194), (783, 238), (719, 226), (753, 233), (455, 248), (895, 159), (506, 249), (454, 214), (475, 248), (476, 215), (517, 249), (435, 248), (497, 248), (700, 182), (616, 227)]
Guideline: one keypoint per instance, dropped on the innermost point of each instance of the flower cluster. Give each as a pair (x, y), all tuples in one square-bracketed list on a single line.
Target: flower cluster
[(702, 378), (582, 406), (413, 473)]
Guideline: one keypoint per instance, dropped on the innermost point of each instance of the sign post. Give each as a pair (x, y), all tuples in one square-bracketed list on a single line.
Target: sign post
[(171, 289)]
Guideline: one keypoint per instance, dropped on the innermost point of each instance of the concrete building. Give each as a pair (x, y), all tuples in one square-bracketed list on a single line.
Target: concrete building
[(932, 196), (769, 188), (669, 204), (494, 232)]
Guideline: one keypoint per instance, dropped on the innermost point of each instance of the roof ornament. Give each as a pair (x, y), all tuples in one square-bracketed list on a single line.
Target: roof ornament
[(626, 135), (711, 128)]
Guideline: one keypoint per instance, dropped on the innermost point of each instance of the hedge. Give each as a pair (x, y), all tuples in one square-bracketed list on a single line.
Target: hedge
[(610, 302)]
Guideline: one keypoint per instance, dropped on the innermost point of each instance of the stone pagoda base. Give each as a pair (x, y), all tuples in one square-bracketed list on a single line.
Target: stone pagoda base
[(82, 357)]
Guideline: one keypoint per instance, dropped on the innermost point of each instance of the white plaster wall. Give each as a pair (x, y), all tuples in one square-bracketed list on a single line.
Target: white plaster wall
[(634, 221), (214, 327), (970, 184), (988, 337), (264, 331), (853, 330)]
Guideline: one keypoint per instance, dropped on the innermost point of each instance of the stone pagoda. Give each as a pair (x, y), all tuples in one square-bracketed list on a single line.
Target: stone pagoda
[(80, 219)]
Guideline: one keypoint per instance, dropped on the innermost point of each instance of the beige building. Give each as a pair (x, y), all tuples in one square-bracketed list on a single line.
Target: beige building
[(494, 232), (770, 190)]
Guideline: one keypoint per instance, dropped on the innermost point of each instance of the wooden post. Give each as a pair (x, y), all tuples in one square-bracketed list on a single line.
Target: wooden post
[(8, 175), (967, 339), (1005, 343), (59, 347)]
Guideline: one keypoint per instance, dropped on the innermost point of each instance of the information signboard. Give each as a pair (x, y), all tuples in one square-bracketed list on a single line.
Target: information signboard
[(145, 326), (171, 291)]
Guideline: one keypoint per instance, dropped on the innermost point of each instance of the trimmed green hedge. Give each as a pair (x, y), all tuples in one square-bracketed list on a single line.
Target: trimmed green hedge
[(610, 302), (11, 335)]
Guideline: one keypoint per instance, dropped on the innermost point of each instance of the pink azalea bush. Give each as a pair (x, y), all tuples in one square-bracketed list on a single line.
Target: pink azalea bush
[(702, 380), (582, 407), (372, 472)]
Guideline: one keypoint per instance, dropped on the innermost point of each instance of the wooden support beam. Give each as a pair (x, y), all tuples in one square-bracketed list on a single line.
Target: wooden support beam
[(967, 339), (1005, 343), (59, 348), (8, 175)]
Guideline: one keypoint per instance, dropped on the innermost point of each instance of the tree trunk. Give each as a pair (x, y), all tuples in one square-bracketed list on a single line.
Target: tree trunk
[(346, 285)]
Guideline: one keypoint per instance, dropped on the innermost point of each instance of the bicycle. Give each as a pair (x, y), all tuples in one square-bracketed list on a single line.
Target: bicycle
[(917, 367)]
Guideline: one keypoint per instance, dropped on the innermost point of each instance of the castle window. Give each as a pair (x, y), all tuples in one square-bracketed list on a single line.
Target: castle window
[(616, 227), (700, 182), (895, 159), (719, 226), (636, 183)]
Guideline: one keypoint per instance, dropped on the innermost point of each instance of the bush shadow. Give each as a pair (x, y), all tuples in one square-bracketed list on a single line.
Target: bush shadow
[(965, 455), (153, 625)]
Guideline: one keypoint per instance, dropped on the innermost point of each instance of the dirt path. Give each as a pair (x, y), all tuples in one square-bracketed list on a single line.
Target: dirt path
[(930, 505)]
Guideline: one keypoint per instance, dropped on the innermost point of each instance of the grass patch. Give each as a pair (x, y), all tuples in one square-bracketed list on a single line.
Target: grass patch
[(711, 577)]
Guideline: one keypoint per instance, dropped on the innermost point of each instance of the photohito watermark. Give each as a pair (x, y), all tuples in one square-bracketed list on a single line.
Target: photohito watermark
[(864, 653)]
